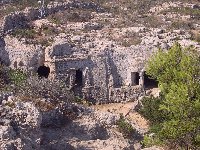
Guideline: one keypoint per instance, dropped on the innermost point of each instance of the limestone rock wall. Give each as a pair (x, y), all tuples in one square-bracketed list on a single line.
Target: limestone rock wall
[(99, 77), (105, 72), (19, 55), (20, 125)]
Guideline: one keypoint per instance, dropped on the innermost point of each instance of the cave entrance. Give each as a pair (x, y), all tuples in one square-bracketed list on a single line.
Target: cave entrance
[(79, 77), (43, 71), (15, 65), (149, 82), (135, 77)]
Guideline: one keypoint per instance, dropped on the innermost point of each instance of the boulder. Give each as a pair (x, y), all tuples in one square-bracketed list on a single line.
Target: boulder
[(19, 125)]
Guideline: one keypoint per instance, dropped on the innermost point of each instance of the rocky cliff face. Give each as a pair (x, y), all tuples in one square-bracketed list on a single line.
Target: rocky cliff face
[(24, 126), (107, 42), (130, 31), (20, 125)]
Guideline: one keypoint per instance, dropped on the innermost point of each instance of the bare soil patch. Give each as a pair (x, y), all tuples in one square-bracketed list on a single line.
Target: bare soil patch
[(127, 110)]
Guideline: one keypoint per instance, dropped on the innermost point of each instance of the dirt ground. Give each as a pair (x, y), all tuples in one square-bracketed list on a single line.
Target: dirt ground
[(124, 108)]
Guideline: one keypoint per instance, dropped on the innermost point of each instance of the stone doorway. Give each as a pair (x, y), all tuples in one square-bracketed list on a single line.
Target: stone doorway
[(79, 77), (149, 82), (135, 78), (43, 71)]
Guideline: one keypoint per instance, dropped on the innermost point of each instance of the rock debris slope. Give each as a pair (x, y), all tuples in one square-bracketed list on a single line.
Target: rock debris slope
[(107, 43), (24, 126)]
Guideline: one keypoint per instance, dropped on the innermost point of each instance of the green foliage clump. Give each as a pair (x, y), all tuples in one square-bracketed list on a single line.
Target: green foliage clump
[(73, 15), (125, 127), (17, 77), (150, 109), (185, 11), (175, 118), (25, 33), (10, 77), (151, 140), (45, 42), (46, 94), (33, 36), (179, 24)]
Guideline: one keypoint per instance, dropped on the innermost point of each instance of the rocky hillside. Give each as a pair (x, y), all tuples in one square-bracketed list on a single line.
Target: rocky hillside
[(138, 27), (127, 23), (26, 126)]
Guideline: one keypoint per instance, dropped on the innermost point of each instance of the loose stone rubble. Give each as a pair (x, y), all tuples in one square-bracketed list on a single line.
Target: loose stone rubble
[(20, 125), (24, 126), (98, 59), (93, 64)]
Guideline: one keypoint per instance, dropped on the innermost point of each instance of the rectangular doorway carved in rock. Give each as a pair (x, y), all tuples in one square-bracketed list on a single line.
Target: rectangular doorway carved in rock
[(149, 82), (79, 77), (135, 77)]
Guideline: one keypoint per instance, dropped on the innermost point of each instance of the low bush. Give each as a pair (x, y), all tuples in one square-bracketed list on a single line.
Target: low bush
[(174, 117), (24, 33), (125, 127), (17, 77), (150, 140), (35, 87), (150, 109), (10, 77), (182, 25), (73, 15)]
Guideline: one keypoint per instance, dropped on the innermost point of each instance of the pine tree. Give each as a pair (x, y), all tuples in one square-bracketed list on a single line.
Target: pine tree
[(178, 73)]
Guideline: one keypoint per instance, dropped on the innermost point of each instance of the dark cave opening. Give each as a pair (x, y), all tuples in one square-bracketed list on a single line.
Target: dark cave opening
[(79, 77), (43, 71), (135, 78), (149, 82)]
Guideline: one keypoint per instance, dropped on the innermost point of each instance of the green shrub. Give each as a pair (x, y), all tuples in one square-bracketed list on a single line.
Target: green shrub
[(10, 76), (129, 42), (49, 30), (182, 25), (72, 15), (17, 77), (24, 33), (151, 140), (45, 42), (178, 72), (184, 11), (34, 88), (151, 111), (125, 127)]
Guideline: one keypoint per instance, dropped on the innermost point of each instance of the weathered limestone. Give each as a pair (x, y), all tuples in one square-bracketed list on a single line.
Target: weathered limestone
[(19, 20), (95, 130), (20, 125), (87, 57), (103, 74), (17, 54)]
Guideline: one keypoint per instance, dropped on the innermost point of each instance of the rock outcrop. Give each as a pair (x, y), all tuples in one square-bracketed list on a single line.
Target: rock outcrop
[(24, 126), (101, 56), (94, 130), (19, 125), (100, 61), (20, 19)]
